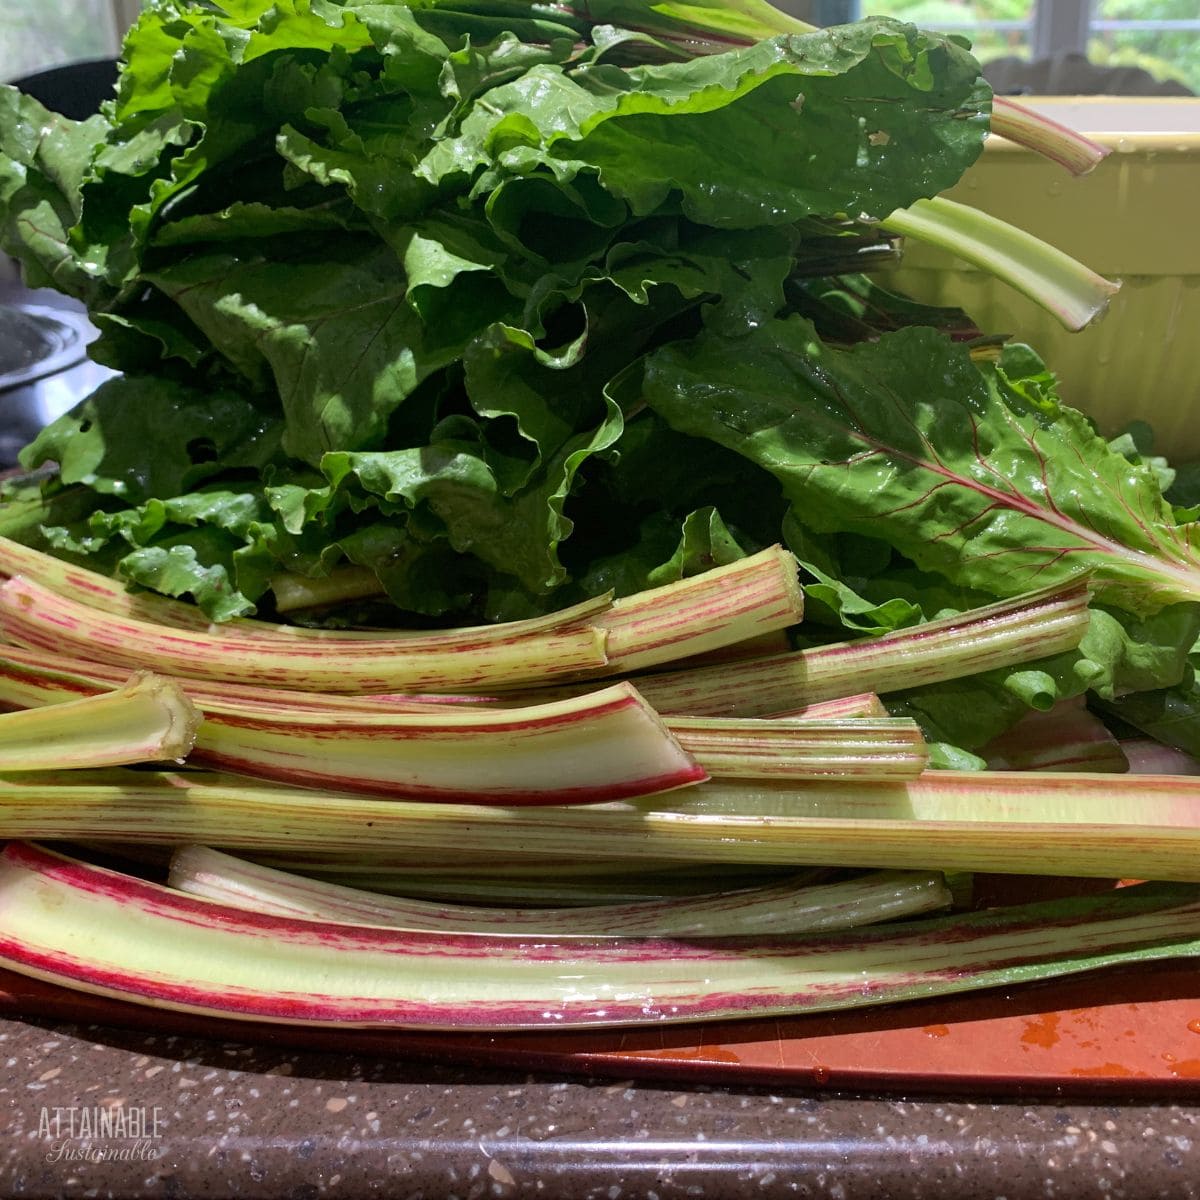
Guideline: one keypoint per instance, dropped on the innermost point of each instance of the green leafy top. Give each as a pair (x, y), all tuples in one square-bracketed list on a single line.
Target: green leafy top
[(423, 245), (508, 303)]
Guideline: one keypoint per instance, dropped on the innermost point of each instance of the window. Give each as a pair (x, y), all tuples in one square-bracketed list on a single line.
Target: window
[(1160, 36), (34, 36), (997, 28)]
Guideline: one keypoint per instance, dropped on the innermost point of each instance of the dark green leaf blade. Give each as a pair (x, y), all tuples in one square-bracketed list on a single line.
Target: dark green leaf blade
[(902, 439)]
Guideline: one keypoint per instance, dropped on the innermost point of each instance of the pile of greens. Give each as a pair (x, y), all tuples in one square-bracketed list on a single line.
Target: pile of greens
[(486, 307)]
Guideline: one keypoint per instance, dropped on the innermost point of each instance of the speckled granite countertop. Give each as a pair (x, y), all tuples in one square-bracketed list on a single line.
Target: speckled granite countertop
[(204, 1118)]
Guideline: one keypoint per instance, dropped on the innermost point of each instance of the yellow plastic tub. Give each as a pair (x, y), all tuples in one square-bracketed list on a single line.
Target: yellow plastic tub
[(1136, 218)]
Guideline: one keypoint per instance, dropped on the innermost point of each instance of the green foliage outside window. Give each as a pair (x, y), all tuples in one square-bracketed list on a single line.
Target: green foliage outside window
[(1166, 54), (988, 44)]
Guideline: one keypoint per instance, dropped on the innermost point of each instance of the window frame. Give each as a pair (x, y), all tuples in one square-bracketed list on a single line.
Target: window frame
[(1057, 26), (125, 13), (1060, 27)]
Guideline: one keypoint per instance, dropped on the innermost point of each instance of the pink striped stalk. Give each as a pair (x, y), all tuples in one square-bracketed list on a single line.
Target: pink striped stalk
[(148, 719), (859, 748), (521, 880), (755, 647), (93, 589), (1005, 634), (813, 748), (841, 709), (402, 754), (31, 676), (1066, 738), (424, 755), (458, 878), (723, 607), (110, 596), (1020, 822), (1045, 136), (755, 597), (536, 883), (110, 934), (961, 797), (32, 615), (607, 745), (790, 907)]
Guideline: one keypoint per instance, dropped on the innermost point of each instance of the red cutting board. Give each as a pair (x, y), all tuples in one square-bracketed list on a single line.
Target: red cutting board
[(1115, 1033)]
